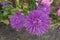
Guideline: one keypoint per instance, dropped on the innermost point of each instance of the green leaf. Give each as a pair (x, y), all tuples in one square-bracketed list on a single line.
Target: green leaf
[(1, 15), (25, 13), (5, 13), (12, 11), (32, 5), (8, 8), (5, 21)]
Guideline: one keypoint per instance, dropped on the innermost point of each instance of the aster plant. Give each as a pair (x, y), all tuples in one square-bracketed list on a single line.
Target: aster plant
[(37, 22), (17, 21), (36, 18)]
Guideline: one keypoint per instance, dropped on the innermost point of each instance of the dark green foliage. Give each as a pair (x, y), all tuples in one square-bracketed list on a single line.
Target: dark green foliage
[(32, 5)]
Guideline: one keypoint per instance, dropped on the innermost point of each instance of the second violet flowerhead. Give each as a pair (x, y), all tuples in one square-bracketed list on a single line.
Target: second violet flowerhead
[(37, 22), (44, 7), (17, 21)]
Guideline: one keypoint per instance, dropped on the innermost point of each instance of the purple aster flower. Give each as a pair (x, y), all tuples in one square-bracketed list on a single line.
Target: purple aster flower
[(44, 7), (5, 3), (37, 22), (17, 21)]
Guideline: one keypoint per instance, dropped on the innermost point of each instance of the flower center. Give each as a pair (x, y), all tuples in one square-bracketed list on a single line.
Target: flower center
[(37, 22)]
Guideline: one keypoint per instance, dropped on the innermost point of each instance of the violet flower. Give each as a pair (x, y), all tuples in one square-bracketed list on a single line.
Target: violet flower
[(37, 22), (44, 7), (17, 21), (5, 3)]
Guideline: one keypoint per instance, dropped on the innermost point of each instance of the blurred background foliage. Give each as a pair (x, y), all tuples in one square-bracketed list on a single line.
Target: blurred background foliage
[(25, 6)]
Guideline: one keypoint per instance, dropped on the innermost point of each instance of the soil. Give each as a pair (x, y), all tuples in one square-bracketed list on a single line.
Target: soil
[(7, 33)]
